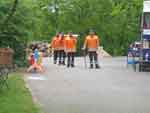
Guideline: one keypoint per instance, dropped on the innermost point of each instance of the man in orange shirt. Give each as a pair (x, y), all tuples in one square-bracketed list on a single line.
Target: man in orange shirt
[(70, 49), (55, 47), (92, 43), (62, 53)]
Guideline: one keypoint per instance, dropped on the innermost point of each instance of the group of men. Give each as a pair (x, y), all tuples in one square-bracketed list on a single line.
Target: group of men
[(65, 45)]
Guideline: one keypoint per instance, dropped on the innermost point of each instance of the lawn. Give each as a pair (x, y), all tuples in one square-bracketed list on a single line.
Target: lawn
[(17, 99)]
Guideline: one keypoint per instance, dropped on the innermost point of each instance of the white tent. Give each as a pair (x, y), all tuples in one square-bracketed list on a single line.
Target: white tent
[(146, 7)]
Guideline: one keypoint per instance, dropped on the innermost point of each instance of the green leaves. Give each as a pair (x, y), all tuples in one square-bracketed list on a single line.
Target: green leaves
[(117, 22)]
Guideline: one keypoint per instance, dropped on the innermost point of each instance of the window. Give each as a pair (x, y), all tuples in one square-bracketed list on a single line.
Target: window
[(146, 21)]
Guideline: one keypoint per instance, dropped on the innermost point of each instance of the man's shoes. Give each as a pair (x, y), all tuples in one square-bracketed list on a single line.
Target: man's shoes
[(72, 65), (91, 66), (63, 63), (59, 62), (97, 66), (55, 62), (68, 65)]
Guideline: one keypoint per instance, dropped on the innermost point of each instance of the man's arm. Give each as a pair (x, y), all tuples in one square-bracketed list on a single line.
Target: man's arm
[(98, 41)]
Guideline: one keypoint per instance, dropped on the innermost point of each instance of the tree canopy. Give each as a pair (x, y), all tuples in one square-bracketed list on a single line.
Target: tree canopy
[(117, 22)]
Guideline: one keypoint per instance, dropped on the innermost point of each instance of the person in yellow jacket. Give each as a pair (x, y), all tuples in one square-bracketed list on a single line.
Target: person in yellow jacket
[(70, 49), (36, 62), (91, 43)]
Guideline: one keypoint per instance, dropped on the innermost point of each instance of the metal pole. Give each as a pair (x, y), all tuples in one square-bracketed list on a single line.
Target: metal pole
[(85, 63), (141, 48)]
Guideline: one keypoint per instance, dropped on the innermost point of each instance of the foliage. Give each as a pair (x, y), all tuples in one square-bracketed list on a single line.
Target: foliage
[(17, 98), (117, 22)]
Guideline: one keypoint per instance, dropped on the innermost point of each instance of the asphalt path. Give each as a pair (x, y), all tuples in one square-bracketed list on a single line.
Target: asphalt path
[(112, 89)]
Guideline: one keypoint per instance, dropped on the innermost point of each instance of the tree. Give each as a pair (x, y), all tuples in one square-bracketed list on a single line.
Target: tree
[(117, 22)]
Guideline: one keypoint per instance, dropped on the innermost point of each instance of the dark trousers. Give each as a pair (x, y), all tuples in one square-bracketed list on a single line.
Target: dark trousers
[(56, 53), (70, 61), (62, 56), (93, 57)]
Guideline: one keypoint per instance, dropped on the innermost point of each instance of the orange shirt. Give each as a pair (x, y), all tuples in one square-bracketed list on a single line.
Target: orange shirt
[(92, 42), (70, 44), (55, 43), (61, 43)]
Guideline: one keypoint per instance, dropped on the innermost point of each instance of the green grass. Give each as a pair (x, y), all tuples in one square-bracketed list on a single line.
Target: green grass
[(17, 99)]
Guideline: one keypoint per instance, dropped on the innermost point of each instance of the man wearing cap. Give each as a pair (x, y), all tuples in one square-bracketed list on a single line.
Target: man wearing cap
[(62, 53), (70, 49), (92, 43), (55, 46)]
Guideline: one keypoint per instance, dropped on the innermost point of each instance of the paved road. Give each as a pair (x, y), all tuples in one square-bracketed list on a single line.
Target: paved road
[(112, 89)]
